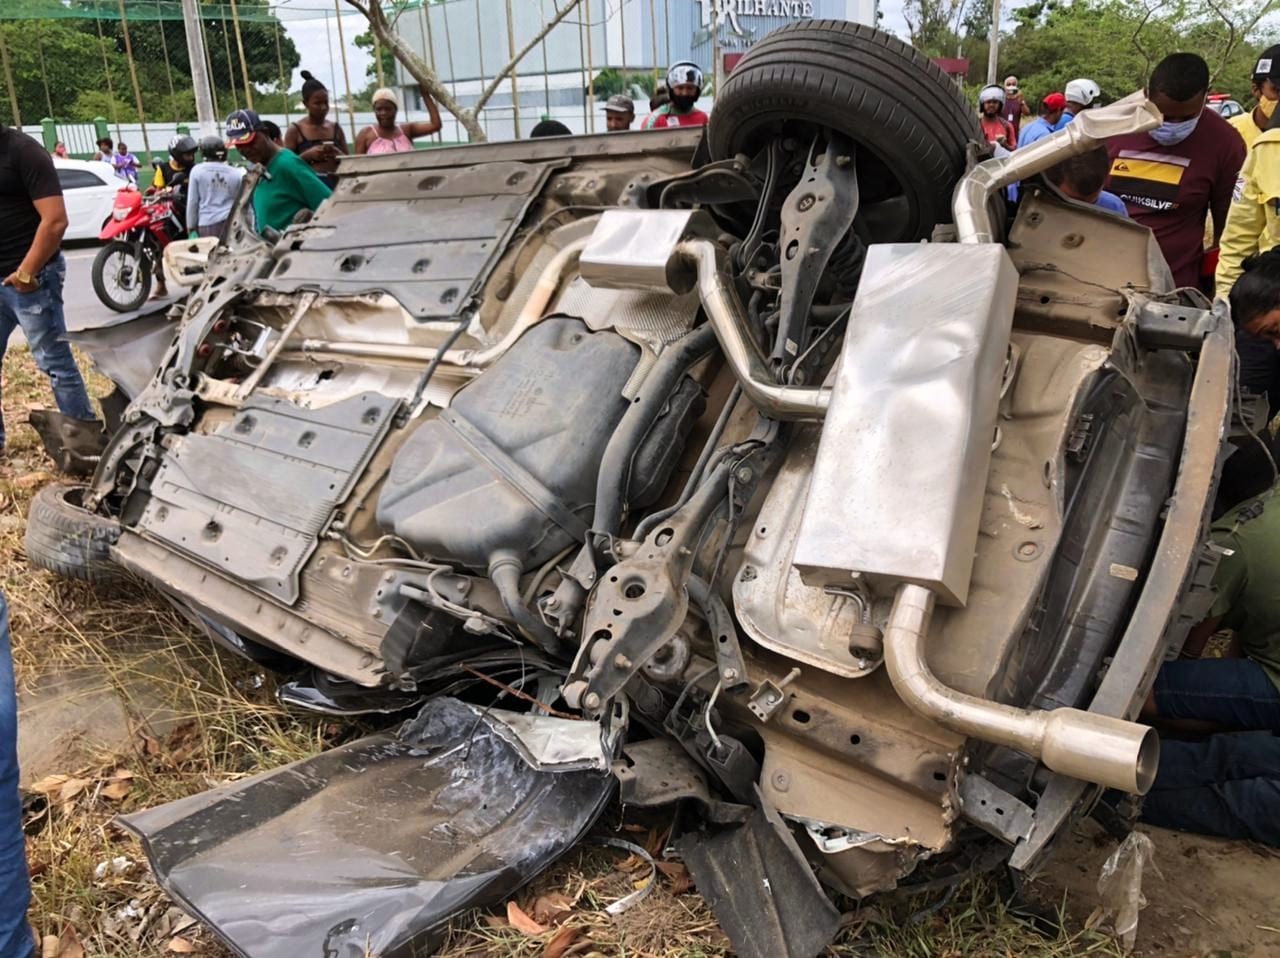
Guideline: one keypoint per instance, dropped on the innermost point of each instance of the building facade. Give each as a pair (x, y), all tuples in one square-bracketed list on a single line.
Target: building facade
[(468, 41)]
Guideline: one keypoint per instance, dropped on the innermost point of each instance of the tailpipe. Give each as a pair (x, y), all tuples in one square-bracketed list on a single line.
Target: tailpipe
[(1085, 745)]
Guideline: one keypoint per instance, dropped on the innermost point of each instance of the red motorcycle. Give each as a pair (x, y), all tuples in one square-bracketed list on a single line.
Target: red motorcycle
[(141, 226)]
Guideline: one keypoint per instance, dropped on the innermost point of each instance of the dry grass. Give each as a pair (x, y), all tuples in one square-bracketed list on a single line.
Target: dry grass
[(221, 723)]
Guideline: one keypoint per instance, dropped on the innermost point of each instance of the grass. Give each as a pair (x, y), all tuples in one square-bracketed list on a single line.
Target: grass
[(221, 723)]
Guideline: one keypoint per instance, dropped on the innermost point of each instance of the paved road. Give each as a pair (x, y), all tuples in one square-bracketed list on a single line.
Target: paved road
[(80, 304)]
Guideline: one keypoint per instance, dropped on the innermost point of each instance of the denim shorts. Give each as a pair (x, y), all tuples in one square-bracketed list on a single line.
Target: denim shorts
[(1231, 693)]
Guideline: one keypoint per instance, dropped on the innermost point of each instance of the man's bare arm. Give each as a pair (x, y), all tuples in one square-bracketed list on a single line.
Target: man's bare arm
[(53, 223)]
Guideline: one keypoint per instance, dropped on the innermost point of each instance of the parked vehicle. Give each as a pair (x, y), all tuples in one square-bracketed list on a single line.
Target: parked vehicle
[(89, 190), (775, 475), (141, 226), (1223, 104)]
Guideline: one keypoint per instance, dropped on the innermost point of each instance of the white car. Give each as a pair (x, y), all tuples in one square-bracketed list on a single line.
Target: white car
[(89, 189)]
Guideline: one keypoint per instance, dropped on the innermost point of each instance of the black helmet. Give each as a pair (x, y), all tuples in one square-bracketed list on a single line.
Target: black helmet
[(212, 146), (181, 144)]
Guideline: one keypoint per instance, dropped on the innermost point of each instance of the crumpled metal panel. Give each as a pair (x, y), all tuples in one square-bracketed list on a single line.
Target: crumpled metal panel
[(369, 848), (250, 498), (429, 238)]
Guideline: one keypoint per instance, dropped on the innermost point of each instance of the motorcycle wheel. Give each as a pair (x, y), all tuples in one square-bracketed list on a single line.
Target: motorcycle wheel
[(121, 280)]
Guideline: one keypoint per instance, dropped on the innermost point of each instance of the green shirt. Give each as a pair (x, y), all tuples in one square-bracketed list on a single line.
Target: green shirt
[(1248, 598), (287, 186)]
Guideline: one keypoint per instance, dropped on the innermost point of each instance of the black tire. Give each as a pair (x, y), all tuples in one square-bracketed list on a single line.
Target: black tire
[(891, 99), (65, 538), (140, 277)]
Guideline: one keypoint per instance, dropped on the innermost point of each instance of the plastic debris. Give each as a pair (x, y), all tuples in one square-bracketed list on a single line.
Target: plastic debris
[(1120, 887)]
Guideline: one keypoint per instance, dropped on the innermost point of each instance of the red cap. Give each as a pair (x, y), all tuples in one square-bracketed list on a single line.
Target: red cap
[(1055, 101)]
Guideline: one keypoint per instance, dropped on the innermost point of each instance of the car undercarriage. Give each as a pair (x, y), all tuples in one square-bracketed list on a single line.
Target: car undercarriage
[(726, 473)]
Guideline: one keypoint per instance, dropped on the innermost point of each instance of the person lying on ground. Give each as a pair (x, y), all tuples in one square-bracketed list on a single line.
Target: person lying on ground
[(388, 136)]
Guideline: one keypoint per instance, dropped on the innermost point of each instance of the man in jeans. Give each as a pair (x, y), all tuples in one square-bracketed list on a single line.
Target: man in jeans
[(32, 221), (15, 888)]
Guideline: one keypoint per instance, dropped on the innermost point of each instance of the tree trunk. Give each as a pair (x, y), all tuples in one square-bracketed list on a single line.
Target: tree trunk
[(418, 68)]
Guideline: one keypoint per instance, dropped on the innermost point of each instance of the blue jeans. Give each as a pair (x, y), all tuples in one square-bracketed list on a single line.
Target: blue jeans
[(40, 316), (1226, 785), (15, 888), (1233, 693)]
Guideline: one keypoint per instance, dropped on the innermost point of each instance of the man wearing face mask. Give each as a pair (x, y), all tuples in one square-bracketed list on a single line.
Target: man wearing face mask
[(684, 84), (1253, 223), (1171, 177)]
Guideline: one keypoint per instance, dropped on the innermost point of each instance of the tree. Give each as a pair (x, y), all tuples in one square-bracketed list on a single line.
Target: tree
[(384, 28), (365, 42)]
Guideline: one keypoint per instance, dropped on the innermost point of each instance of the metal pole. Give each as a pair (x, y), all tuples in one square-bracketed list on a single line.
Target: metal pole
[(511, 54), (133, 76), (622, 32), (377, 59), (346, 77), (666, 26), (480, 55), (244, 66), (8, 79), (582, 62), (591, 77), (284, 81), (168, 67), (44, 73), (448, 47), (328, 42), (106, 71), (546, 77), (993, 51), (226, 47), (653, 36), (429, 34), (208, 64)]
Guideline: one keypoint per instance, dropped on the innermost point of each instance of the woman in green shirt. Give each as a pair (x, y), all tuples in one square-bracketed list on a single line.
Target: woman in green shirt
[(287, 184)]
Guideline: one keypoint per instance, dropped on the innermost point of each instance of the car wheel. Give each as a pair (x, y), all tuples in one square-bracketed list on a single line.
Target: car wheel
[(64, 537), (909, 122)]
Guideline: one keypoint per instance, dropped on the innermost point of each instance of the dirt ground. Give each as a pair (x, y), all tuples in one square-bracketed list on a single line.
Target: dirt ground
[(123, 707)]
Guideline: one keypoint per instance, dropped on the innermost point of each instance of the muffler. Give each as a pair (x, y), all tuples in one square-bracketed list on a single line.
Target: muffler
[(1085, 745)]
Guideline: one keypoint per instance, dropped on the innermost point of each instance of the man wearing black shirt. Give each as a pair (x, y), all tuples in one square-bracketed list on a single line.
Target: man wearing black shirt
[(32, 221)]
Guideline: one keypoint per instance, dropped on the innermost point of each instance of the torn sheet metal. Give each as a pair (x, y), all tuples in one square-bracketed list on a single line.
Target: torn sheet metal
[(761, 888), (369, 848)]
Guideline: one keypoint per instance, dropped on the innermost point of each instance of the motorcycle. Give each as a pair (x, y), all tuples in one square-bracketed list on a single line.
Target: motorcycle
[(141, 226)]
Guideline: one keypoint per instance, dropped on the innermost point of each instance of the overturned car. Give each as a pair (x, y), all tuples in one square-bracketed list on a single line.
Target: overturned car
[(774, 472)]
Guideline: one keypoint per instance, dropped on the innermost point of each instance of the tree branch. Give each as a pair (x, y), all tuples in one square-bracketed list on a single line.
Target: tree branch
[(505, 72)]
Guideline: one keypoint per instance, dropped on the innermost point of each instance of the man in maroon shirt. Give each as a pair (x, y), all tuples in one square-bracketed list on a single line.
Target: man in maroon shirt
[(1173, 176), (1015, 104)]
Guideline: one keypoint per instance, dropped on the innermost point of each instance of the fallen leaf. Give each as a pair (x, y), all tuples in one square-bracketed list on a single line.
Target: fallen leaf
[(50, 784), (69, 944), (495, 921), (71, 788), (117, 789), (677, 874), (31, 480), (122, 775), (561, 941), (181, 946), (521, 921), (631, 863), (552, 909)]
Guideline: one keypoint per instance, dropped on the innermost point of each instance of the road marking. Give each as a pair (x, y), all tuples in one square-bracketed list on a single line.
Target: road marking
[(82, 254)]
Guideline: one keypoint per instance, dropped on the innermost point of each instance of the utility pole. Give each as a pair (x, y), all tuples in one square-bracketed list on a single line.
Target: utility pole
[(206, 118), (993, 52)]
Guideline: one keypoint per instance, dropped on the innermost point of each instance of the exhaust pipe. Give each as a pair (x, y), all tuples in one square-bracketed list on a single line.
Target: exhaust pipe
[(728, 318), (1084, 745), (1090, 129)]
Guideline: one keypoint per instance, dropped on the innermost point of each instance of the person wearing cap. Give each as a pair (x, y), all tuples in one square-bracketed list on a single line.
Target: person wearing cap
[(211, 190), (1051, 108), (1171, 177), (684, 86), (1266, 91), (287, 184), (1080, 94), (619, 113), (1015, 105), (388, 136), (994, 126)]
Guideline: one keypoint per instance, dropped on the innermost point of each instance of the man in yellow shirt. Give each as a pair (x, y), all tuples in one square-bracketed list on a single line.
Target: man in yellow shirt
[(1253, 221), (1266, 91)]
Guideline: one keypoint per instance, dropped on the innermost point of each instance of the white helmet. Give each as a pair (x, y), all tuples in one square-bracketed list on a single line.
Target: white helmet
[(1082, 91), (991, 93)]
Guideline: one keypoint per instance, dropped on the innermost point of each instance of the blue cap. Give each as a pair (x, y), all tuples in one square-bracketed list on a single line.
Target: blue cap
[(241, 127)]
